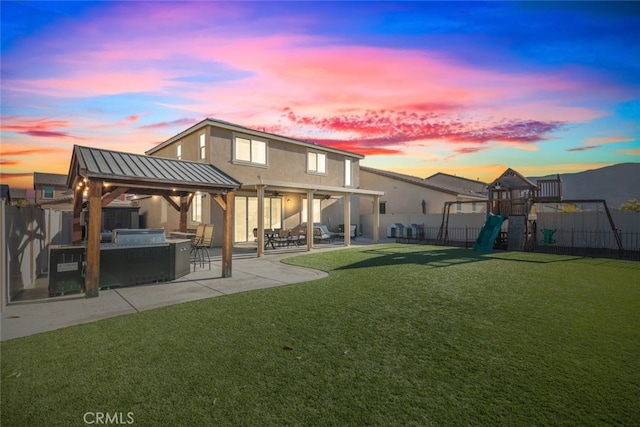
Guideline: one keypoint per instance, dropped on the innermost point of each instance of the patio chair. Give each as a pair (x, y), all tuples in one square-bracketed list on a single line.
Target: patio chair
[(283, 237), (352, 231), (298, 235), (201, 248), (322, 233), (199, 235)]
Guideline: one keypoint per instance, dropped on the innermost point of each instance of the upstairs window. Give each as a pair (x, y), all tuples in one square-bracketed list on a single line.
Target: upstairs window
[(47, 192), (317, 162), (347, 172), (179, 152), (203, 147), (250, 150)]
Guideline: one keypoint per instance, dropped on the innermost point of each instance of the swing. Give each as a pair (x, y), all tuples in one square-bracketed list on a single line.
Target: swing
[(547, 234)]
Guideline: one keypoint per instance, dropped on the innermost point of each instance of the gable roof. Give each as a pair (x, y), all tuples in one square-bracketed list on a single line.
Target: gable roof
[(513, 180), (443, 175), (254, 132), (55, 179), (149, 172), (457, 183), (418, 181)]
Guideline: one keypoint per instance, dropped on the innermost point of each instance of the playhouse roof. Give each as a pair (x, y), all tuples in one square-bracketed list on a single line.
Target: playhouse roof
[(511, 179)]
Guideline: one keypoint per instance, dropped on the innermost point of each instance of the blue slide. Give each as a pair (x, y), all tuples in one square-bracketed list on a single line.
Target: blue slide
[(488, 233)]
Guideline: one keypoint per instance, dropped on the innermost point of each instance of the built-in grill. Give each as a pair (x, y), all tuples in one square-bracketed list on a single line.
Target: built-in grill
[(137, 237), (132, 257)]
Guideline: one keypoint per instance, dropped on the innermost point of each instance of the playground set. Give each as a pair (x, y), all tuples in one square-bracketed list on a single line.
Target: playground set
[(514, 199)]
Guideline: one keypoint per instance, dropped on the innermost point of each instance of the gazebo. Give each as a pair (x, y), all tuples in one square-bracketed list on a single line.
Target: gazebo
[(107, 174)]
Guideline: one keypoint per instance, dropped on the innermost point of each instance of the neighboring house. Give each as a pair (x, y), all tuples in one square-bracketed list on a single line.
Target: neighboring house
[(51, 191), (457, 183), (19, 197), (285, 181), (405, 194), (5, 194), (409, 199), (13, 196)]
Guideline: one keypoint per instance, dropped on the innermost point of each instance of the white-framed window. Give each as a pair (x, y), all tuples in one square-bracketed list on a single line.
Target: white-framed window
[(317, 210), (458, 207), (348, 170), (250, 150), (316, 162), (47, 192), (179, 152), (203, 147), (196, 208), (473, 206)]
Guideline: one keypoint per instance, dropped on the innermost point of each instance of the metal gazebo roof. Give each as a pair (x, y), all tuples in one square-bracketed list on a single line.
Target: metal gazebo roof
[(146, 172)]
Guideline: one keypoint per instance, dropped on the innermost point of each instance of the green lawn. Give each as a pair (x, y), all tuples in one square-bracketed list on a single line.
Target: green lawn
[(396, 335)]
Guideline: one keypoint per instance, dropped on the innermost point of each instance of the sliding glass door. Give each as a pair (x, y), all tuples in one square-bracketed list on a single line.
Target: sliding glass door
[(246, 216)]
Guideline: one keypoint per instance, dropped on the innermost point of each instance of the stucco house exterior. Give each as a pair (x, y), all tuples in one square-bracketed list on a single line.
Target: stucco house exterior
[(285, 182), (51, 191), (410, 199), (405, 194)]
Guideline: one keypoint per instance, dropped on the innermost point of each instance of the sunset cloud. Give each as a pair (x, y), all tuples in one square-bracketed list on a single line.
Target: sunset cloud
[(129, 120), (35, 127), (399, 128), (14, 151), (172, 123), (585, 148), (606, 140), (408, 83), (632, 152)]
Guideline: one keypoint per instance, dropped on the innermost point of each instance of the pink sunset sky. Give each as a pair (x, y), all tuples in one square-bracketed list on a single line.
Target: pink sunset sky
[(418, 88)]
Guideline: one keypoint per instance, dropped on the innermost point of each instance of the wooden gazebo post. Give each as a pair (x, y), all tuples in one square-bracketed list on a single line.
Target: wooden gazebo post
[(92, 277), (227, 233), (225, 201)]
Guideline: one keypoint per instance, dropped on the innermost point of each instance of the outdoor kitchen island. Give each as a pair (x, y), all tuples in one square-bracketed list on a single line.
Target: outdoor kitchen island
[(133, 257)]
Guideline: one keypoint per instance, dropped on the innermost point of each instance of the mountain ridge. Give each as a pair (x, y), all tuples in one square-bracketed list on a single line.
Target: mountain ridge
[(617, 184)]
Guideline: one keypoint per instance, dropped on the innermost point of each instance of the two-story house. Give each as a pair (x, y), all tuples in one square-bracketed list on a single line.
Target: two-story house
[(286, 182), (51, 190)]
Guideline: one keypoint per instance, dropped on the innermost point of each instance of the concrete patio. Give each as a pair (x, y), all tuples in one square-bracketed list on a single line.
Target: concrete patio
[(31, 316)]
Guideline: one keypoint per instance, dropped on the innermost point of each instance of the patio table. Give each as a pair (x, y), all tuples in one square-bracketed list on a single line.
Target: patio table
[(269, 238)]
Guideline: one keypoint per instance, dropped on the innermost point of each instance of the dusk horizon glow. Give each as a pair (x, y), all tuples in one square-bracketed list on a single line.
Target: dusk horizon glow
[(465, 88)]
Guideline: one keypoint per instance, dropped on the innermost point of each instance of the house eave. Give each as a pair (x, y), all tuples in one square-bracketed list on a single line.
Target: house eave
[(301, 188), (253, 132)]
